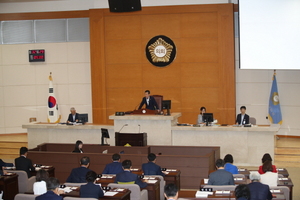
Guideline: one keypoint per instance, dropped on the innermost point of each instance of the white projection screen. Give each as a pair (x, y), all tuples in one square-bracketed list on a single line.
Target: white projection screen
[(269, 34)]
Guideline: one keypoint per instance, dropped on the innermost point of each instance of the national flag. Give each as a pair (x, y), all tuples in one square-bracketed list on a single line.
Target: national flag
[(274, 104), (53, 114)]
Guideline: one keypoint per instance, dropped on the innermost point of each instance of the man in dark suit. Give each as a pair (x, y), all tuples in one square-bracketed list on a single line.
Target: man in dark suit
[(127, 177), (73, 116), (258, 191), (115, 167), (242, 118), (171, 191), (91, 190), (4, 164), (53, 190), (149, 101), (78, 174), (23, 163), (151, 168), (221, 176)]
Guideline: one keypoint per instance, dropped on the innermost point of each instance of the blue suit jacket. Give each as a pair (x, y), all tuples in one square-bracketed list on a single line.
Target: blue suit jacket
[(151, 168), (127, 176), (231, 168), (78, 175), (259, 191), (152, 103), (49, 195), (70, 118), (113, 168), (91, 190)]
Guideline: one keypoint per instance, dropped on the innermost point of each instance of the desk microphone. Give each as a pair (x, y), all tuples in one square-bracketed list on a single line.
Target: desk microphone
[(123, 127), (136, 106), (139, 128)]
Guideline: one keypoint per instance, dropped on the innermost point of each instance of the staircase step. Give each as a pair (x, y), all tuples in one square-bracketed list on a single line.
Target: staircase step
[(288, 142), (287, 151), (9, 151), (9, 157), (17, 137), (287, 158), (12, 145)]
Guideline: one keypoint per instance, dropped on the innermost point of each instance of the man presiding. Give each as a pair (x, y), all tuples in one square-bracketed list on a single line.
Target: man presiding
[(149, 101), (73, 116)]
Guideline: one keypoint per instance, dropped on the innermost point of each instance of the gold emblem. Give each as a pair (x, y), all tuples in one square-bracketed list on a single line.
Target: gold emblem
[(160, 51)]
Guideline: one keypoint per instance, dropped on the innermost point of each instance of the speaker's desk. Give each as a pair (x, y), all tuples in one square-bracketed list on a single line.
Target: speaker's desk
[(157, 127)]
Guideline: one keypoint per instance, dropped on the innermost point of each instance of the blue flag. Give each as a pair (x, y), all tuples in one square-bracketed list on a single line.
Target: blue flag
[(274, 104)]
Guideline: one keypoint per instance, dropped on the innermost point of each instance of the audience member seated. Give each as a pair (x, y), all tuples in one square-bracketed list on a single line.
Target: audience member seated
[(115, 167), (242, 192), (78, 174), (91, 190), (200, 116), (220, 177), (23, 163), (53, 190), (78, 147), (171, 191), (258, 190), (126, 177), (73, 116), (40, 187), (269, 178), (4, 164), (228, 159), (266, 157), (151, 168)]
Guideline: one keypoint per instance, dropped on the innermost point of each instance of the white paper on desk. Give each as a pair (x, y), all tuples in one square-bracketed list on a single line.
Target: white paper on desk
[(275, 191), (166, 172), (134, 169), (283, 179), (171, 170), (205, 180), (110, 193), (280, 169), (238, 179), (37, 168), (241, 170), (151, 181), (119, 190), (219, 192), (203, 194), (66, 189), (226, 192)]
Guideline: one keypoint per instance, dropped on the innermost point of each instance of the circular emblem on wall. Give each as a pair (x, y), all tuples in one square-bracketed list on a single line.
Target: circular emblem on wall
[(160, 51)]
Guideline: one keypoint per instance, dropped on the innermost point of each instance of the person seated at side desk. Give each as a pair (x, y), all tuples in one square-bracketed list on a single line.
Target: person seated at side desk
[(23, 163), (78, 174), (242, 118), (220, 177), (91, 190), (115, 167), (258, 190), (53, 190), (200, 119), (151, 168), (126, 177), (228, 159), (73, 116), (149, 101), (78, 147)]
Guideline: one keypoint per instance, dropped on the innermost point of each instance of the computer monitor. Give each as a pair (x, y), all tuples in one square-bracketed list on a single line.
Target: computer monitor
[(166, 104), (83, 118), (207, 118), (104, 134)]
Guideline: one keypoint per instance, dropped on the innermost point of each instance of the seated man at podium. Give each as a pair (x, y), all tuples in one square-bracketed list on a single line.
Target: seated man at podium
[(242, 118), (149, 101), (73, 116), (151, 168)]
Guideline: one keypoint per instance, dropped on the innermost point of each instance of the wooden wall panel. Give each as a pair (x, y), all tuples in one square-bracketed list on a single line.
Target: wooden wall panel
[(201, 75)]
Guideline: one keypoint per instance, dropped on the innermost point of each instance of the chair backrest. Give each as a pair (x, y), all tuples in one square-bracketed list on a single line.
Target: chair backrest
[(134, 188), (284, 189), (25, 196), (161, 183), (269, 178), (159, 99), (78, 198), (221, 187), (252, 120), (238, 176), (25, 184), (74, 184)]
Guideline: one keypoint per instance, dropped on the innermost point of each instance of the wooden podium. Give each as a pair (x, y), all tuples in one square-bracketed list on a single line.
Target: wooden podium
[(134, 139), (144, 111)]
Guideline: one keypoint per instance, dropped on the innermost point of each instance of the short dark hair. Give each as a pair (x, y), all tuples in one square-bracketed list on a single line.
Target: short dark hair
[(243, 107), (85, 160), (126, 164), (151, 157), (266, 157), (148, 91), (23, 150), (41, 175), (90, 176), (116, 156), (171, 190), (267, 166), (228, 158), (220, 163), (242, 190), (52, 183)]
